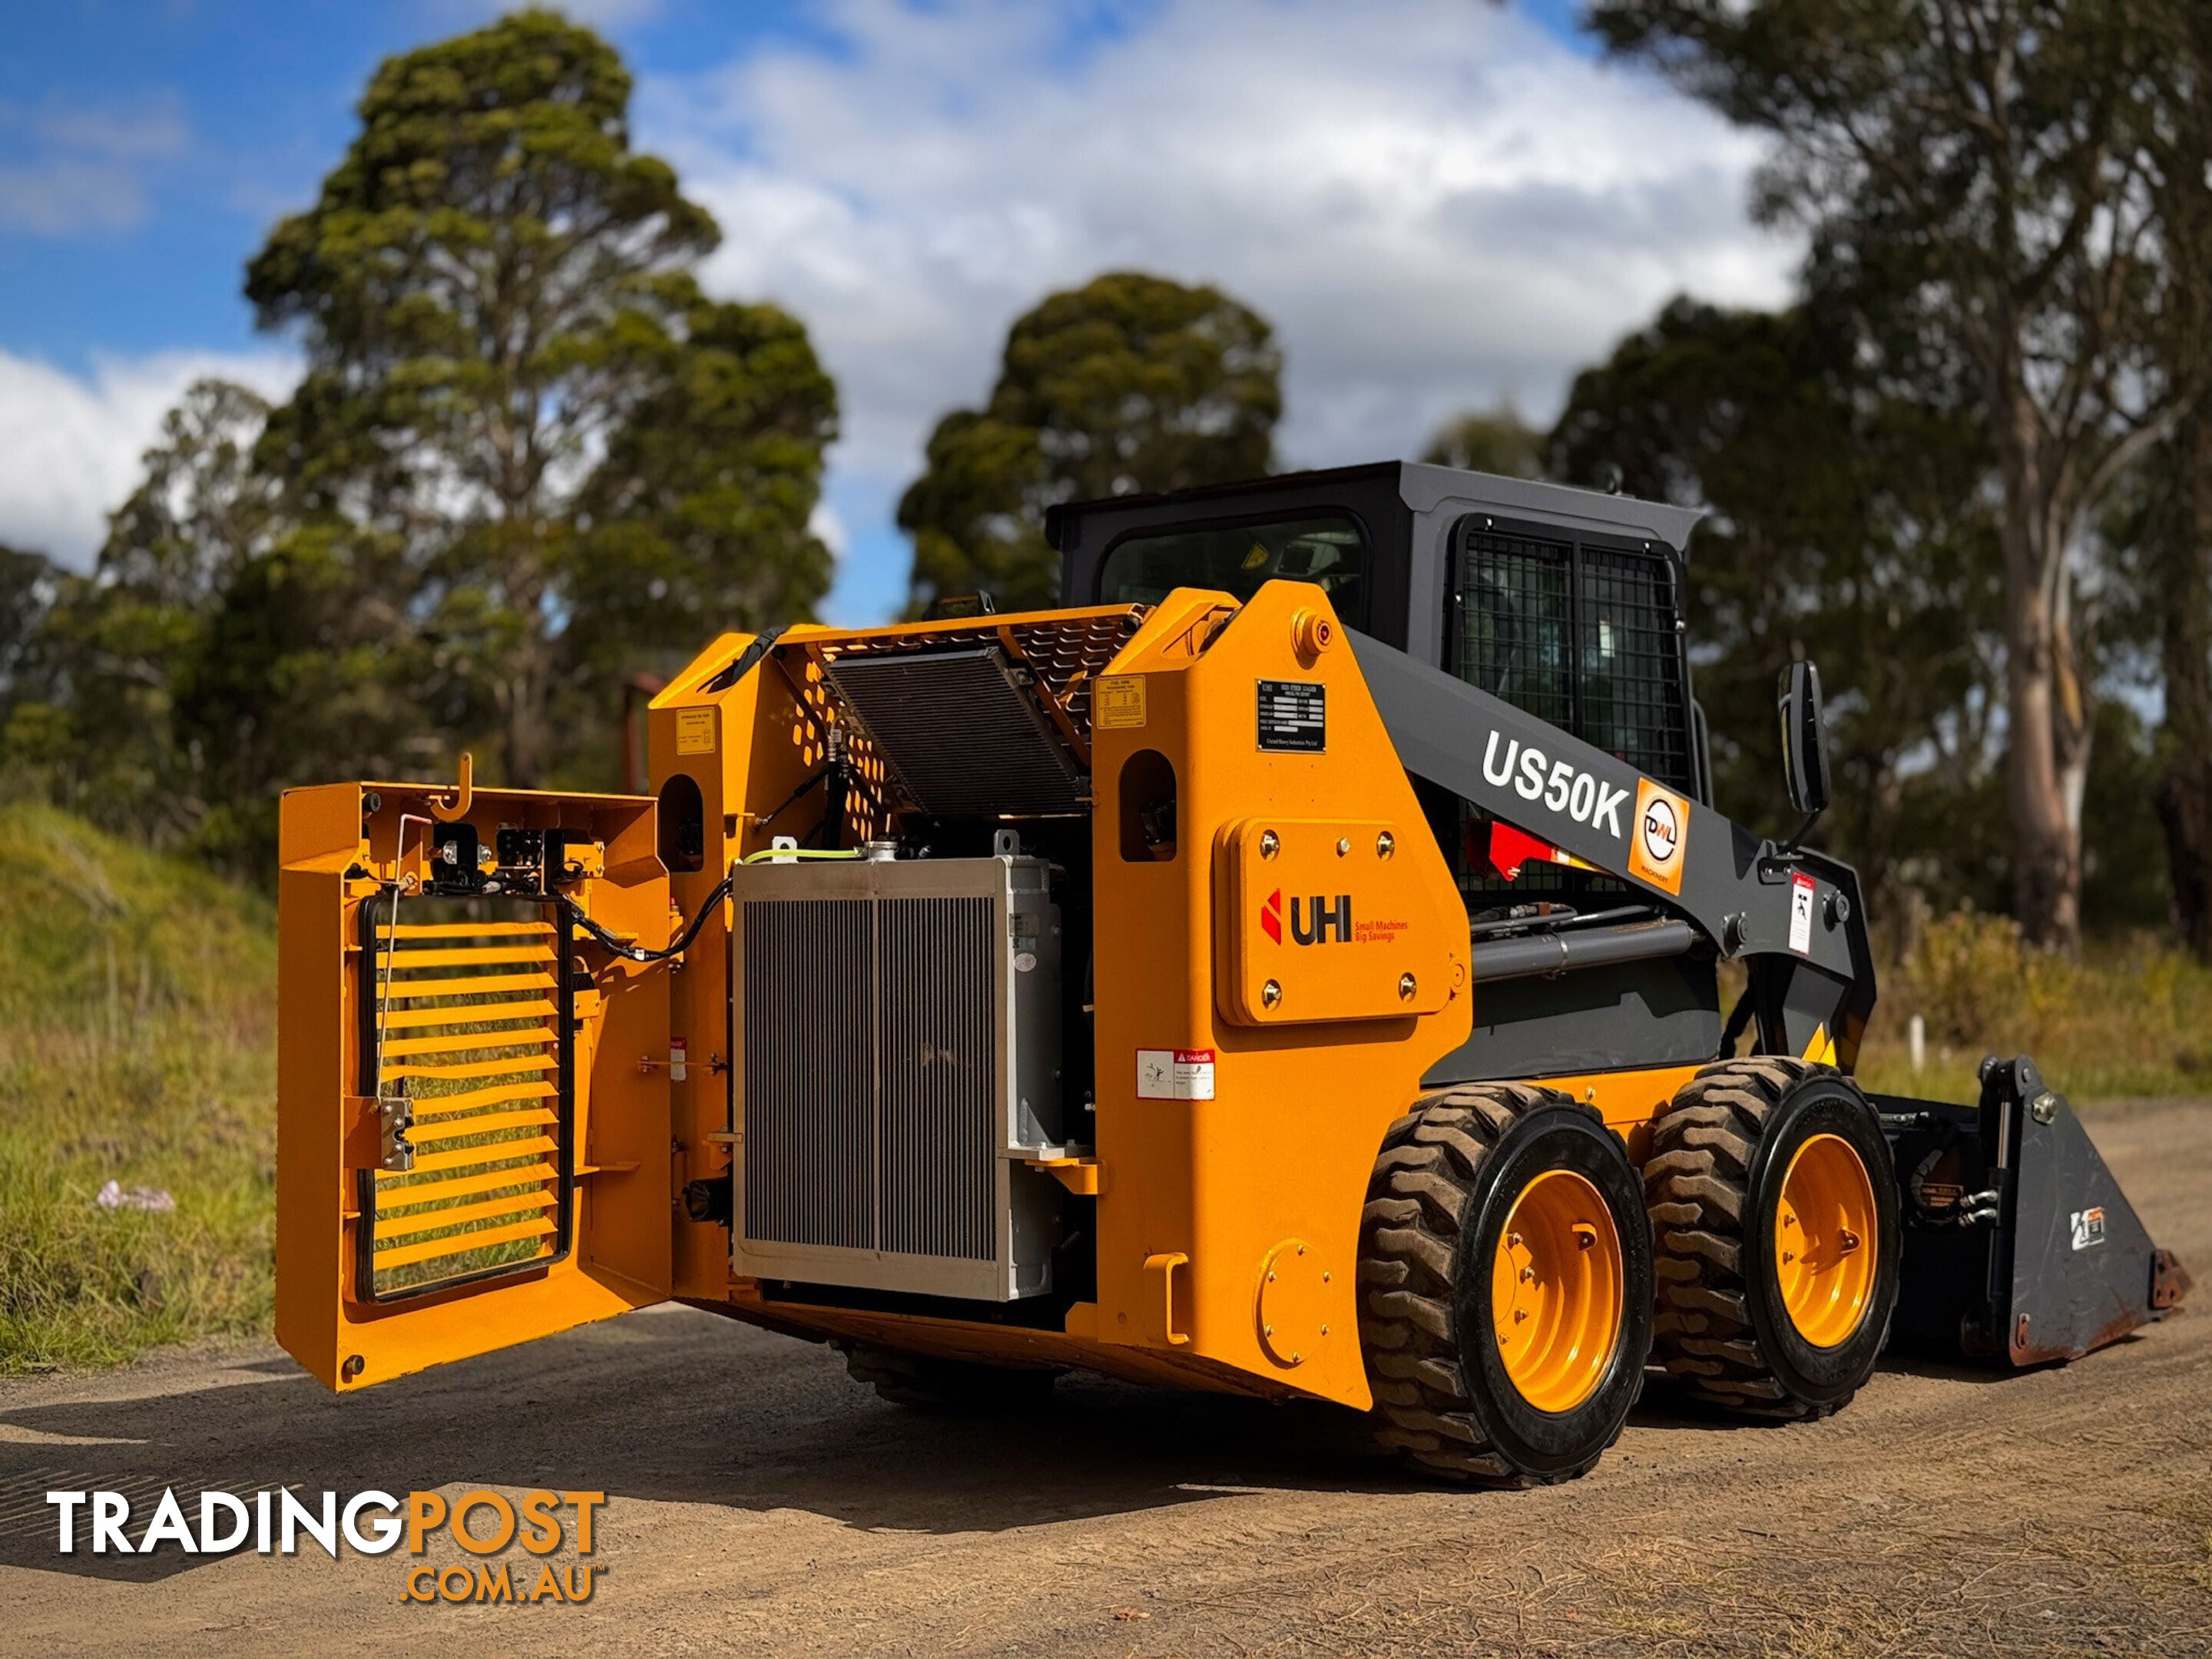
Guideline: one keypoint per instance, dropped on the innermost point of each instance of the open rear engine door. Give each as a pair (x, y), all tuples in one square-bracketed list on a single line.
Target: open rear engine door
[(470, 1153)]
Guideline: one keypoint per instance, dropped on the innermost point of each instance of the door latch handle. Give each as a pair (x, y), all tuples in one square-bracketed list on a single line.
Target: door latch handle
[(396, 1116)]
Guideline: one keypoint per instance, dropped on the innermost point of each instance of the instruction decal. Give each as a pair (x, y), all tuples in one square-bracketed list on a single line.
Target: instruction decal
[(2088, 1226), (1801, 891), (694, 731), (1294, 716), (1175, 1073), (1117, 702), (1659, 837)]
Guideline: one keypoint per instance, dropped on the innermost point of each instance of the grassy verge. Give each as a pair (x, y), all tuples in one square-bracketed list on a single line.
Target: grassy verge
[(2133, 1017), (136, 1046)]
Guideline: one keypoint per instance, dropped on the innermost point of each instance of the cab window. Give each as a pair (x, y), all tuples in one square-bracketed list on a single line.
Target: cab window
[(1327, 549)]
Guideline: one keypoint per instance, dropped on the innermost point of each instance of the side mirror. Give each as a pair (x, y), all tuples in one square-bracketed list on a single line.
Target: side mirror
[(1804, 742)]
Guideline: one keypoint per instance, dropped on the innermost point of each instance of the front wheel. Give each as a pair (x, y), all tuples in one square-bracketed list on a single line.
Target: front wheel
[(1506, 1285), (1774, 1214)]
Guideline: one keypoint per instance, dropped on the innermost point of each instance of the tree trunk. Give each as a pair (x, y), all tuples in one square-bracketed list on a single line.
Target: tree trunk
[(526, 721), (527, 693), (2046, 743), (2183, 582)]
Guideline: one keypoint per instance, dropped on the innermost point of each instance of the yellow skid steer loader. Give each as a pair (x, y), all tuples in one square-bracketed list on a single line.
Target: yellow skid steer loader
[(1292, 968)]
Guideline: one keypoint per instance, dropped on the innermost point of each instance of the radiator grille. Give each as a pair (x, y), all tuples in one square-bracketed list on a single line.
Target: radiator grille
[(871, 1074)]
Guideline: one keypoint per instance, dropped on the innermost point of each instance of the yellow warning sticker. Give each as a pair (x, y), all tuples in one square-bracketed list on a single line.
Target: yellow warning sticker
[(1119, 701), (694, 731), (1659, 837)]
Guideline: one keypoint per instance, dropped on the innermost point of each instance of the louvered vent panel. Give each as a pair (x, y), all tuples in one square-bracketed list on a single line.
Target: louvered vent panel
[(465, 1021)]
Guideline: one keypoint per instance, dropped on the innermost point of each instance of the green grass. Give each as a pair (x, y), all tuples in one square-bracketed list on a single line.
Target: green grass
[(137, 1045), (2132, 1018)]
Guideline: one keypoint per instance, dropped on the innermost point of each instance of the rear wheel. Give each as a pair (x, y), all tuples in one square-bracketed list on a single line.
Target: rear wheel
[(926, 1383), (1506, 1285), (1774, 1217)]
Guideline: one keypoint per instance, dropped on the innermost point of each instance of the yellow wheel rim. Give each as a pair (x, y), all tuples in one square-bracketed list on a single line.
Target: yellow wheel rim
[(1825, 1240), (1555, 1290)]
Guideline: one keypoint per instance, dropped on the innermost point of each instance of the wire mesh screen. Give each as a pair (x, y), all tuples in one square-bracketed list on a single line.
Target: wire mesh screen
[(1518, 618), (1632, 665), (1581, 637)]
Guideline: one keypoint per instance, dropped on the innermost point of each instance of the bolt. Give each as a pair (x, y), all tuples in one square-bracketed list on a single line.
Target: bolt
[(1296, 1357), (1519, 1313), (1302, 1249), (354, 1366), (1324, 1330), (1513, 1241), (1407, 986), (1528, 1273), (1385, 844), (1268, 1330), (1789, 1256), (1851, 1241), (1271, 1276), (1789, 1220), (1270, 843), (1585, 1236), (1270, 993), (1343, 847), (1327, 1277)]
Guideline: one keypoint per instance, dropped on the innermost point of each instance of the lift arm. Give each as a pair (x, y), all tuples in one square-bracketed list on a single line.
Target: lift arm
[(1796, 916)]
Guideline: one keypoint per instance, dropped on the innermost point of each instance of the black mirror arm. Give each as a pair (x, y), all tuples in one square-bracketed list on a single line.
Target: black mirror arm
[(1789, 848)]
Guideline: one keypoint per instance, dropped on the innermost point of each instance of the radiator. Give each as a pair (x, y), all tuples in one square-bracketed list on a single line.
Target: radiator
[(898, 1033)]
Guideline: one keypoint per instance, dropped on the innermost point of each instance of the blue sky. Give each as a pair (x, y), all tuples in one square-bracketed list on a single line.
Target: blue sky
[(1438, 204)]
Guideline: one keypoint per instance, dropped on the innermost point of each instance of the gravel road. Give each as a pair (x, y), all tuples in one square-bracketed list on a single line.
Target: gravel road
[(759, 1503)]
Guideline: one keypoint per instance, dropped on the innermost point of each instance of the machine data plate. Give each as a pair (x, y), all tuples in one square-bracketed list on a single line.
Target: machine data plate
[(1293, 716)]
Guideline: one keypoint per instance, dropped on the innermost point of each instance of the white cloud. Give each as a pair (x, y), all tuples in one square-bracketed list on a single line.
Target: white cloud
[(70, 444), (84, 167), (1434, 206)]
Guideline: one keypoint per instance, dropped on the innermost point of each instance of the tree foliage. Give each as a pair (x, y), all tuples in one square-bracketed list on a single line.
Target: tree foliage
[(523, 428), (1129, 384), (527, 455), (1979, 180), (1845, 526), (1494, 440)]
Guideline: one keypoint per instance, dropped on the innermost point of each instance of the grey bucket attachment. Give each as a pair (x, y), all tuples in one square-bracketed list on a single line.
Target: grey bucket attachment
[(2019, 1247)]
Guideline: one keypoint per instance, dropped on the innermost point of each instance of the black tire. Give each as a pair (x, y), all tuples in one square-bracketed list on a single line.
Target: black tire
[(926, 1383), (1719, 1153), (1448, 1173)]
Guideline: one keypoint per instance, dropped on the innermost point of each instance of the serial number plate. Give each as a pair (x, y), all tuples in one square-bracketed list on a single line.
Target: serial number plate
[(1293, 715)]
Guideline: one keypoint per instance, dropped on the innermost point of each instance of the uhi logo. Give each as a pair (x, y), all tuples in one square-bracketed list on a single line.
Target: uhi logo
[(1315, 921)]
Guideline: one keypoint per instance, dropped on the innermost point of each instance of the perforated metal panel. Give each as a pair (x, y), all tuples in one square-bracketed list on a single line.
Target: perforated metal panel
[(894, 1058)]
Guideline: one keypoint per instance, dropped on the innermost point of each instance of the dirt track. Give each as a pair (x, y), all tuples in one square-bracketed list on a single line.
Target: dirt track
[(759, 1503)]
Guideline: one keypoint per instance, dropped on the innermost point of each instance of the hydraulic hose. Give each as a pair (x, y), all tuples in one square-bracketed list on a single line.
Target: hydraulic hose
[(634, 952)]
